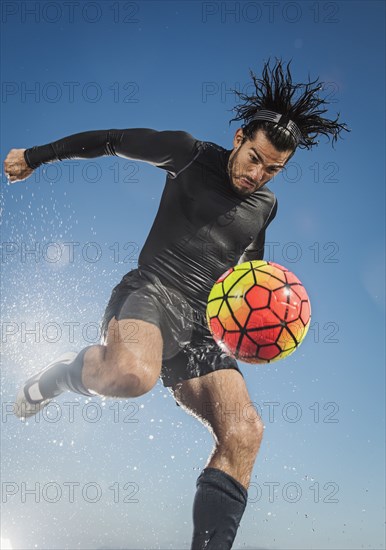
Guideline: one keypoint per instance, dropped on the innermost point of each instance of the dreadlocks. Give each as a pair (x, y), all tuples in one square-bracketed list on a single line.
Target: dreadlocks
[(299, 103)]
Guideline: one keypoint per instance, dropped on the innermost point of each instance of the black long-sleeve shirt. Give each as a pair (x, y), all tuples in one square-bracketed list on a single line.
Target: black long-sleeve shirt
[(202, 226)]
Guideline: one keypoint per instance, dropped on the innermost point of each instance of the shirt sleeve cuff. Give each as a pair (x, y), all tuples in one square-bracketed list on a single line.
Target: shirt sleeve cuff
[(28, 159)]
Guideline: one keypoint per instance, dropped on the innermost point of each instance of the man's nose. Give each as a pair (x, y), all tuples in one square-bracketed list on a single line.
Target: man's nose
[(257, 173)]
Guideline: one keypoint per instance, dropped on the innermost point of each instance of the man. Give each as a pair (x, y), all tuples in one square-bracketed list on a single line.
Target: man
[(213, 213)]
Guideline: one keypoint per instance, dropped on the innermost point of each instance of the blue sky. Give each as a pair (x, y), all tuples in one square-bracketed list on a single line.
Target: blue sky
[(106, 476)]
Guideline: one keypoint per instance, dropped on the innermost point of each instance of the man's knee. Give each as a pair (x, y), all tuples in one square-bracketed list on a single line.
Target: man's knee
[(243, 437), (133, 382), (254, 425), (127, 376)]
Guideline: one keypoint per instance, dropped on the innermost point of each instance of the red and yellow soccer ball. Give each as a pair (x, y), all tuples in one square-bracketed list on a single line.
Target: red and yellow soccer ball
[(258, 312)]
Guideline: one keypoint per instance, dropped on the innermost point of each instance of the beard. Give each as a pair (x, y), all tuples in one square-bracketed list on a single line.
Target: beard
[(234, 172)]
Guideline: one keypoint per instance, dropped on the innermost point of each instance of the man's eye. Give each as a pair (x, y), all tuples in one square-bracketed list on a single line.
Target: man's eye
[(253, 158)]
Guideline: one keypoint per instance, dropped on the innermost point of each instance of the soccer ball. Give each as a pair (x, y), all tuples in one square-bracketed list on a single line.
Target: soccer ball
[(258, 312)]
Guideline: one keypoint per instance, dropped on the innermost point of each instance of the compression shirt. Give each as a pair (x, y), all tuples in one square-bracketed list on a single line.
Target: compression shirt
[(202, 227)]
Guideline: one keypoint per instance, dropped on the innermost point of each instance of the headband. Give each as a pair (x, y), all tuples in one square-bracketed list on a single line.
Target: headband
[(281, 120)]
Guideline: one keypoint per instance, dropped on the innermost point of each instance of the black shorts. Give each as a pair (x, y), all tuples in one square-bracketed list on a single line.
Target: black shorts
[(189, 350)]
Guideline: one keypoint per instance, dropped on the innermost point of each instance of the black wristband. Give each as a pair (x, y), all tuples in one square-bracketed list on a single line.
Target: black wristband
[(29, 161), (38, 155), (26, 158)]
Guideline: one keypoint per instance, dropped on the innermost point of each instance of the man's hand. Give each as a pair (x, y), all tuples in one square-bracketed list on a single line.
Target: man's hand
[(15, 166)]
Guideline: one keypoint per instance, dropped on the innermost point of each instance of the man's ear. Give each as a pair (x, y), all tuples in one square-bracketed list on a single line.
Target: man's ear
[(238, 138)]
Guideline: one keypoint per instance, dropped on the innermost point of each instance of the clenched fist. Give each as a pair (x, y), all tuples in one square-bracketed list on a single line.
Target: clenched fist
[(15, 166)]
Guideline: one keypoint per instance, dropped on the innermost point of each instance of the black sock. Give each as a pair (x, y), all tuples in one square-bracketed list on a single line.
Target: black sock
[(218, 507), (63, 377)]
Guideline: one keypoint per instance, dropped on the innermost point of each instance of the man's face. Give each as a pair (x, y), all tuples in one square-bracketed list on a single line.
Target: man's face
[(253, 163)]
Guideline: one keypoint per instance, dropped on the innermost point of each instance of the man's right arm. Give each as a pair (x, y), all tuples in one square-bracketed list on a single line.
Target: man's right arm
[(169, 150)]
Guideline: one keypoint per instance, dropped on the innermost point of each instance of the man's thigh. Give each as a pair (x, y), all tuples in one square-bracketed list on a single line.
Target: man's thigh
[(219, 399), (135, 343)]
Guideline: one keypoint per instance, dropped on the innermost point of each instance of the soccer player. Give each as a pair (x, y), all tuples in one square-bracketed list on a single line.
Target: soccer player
[(213, 214)]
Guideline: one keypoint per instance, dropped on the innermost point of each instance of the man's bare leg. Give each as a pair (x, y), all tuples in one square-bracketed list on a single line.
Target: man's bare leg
[(220, 400), (127, 366)]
